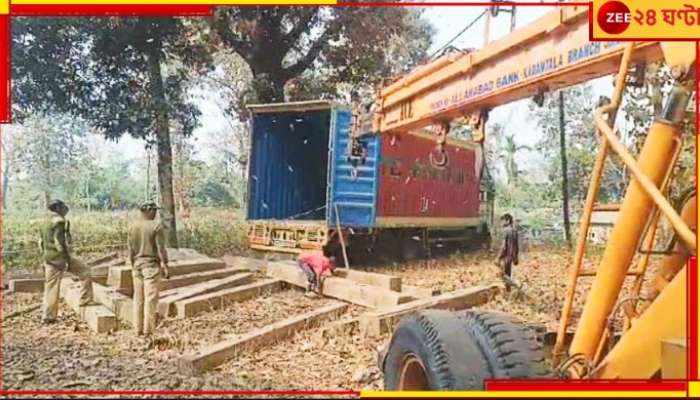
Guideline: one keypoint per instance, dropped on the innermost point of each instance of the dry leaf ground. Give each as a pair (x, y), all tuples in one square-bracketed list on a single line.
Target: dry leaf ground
[(66, 356)]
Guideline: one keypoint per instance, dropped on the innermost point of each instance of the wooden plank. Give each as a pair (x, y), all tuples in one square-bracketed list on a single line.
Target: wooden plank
[(253, 264), (103, 269), (121, 305), (102, 280), (104, 259), (191, 279), (27, 285), (419, 292), (211, 356), (98, 318), (195, 265), (182, 254), (182, 273), (388, 282), (166, 304), (120, 279), (216, 300), (340, 288), (378, 322)]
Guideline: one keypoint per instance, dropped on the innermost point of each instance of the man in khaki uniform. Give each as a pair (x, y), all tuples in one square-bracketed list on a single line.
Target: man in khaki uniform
[(148, 261), (55, 241)]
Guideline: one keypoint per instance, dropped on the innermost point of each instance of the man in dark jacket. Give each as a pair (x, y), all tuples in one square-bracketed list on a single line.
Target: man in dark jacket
[(509, 252)]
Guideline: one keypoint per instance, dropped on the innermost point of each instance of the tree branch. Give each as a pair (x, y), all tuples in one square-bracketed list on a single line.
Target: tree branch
[(306, 21), (223, 29), (305, 62)]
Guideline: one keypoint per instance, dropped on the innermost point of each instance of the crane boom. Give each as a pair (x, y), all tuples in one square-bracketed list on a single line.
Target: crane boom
[(553, 52)]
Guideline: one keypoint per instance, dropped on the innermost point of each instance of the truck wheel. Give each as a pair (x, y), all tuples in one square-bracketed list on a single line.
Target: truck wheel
[(430, 350), (511, 349), (410, 248)]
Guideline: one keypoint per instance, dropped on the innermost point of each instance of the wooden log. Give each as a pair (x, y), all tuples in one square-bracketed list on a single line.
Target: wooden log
[(376, 323), (194, 265), (26, 285), (181, 274), (191, 279), (121, 305), (103, 259), (252, 264), (182, 254), (120, 279), (216, 300), (180, 267), (211, 356), (383, 281), (339, 288), (166, 304), (98, 318), (419, 292), (103, 269), (101, 280)]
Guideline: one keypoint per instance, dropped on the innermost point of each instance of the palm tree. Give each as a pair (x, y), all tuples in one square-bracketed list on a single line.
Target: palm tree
[(507, 152)]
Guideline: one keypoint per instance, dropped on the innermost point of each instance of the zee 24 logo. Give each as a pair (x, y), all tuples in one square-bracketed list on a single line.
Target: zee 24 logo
[(614, 17)]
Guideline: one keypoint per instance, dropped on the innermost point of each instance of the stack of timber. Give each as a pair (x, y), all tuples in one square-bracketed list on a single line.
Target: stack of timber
[(197, 283)]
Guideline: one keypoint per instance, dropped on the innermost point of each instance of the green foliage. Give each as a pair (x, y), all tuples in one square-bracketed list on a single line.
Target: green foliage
[(320, 48), (214, 194), (213, 232), (509, 149), (50, 152), (646, 101), (581, 147), (97, 68)]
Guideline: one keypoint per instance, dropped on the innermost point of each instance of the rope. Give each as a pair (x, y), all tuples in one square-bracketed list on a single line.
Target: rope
[(306, 212)]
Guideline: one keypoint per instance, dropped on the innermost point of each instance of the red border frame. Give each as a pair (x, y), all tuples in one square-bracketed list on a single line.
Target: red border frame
[(194, 10)]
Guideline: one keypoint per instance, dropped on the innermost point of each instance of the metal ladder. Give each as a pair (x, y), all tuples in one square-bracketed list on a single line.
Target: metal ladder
[(608, 142)]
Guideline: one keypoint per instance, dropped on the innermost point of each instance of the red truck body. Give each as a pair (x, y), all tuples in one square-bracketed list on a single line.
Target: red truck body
[(303, 189)]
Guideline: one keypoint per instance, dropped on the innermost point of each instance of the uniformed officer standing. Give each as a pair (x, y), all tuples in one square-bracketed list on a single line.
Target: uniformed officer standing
[(55, 241), (148, 261)]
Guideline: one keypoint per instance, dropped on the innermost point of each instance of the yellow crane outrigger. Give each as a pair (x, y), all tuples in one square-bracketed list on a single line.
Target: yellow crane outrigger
[(552, 53)]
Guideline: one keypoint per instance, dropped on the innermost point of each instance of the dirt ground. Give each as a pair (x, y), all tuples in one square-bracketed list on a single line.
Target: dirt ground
[(66, 356)]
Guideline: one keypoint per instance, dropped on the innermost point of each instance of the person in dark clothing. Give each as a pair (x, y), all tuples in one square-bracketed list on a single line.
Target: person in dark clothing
[(509, 252)]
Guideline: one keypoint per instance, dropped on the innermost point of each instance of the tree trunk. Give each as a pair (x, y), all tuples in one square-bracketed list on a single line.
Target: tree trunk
[(564, 171), (163, 147), (147, 188), (268, 87)]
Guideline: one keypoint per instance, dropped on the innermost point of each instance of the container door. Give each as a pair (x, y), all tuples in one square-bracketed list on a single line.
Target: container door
[(353, 188)]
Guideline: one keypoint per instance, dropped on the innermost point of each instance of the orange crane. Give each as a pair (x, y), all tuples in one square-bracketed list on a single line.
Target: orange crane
[(443, 350)]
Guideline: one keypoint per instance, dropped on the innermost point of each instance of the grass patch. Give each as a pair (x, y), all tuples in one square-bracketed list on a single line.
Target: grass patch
[(214, 232)]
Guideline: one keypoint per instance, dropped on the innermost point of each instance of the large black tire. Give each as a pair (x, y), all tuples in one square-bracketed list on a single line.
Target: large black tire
[(510, 348), (430, 351), (443, 350)]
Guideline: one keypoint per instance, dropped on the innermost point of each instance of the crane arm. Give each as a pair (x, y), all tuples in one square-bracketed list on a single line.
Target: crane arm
[(553, 52)]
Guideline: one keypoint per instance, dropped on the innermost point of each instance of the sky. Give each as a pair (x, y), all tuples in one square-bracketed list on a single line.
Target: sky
[(514, 117), (448, 22)]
